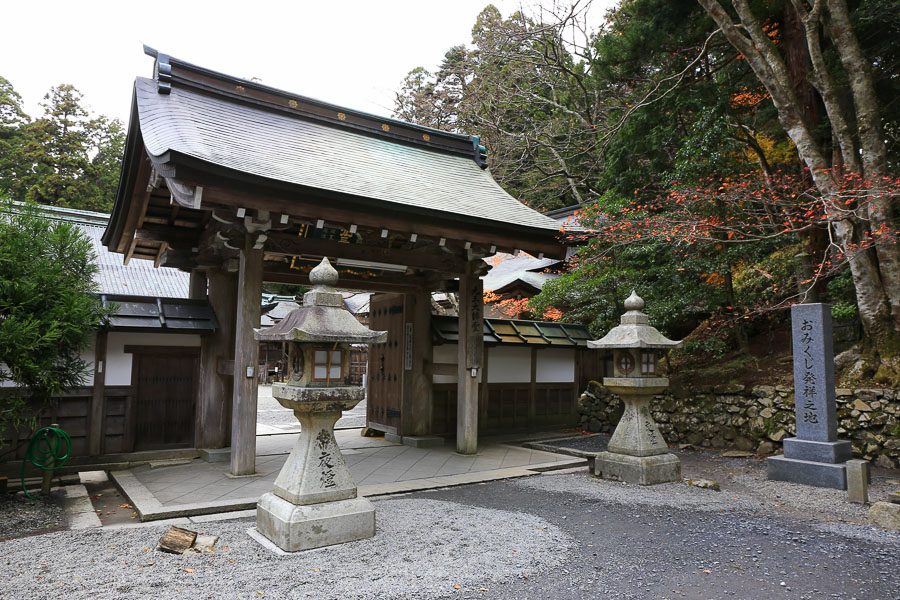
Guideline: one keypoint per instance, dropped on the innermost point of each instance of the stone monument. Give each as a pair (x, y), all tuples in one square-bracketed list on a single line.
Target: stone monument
[(315, 501), (815, 456), (637, 452)]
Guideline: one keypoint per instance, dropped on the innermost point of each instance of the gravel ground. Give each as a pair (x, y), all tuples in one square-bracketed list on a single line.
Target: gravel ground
[(744, 487), (667, 542), (423, 549), (670, 495), (22, 517)]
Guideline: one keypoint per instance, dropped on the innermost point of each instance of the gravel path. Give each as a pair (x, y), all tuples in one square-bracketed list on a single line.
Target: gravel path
[(22, 517), (670, 495), (423, 549), (671, 542)]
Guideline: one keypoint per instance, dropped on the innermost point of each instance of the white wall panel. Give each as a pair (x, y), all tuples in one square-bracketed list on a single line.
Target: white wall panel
[(118, 364), (555, 365), (509, 365)]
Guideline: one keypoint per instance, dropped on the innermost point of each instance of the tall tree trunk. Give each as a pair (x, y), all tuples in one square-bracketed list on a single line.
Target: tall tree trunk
[(874, 152), (768, 66)]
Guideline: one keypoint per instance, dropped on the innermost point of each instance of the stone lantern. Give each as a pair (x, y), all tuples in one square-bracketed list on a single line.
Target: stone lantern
[(637, 452), (315, 501)]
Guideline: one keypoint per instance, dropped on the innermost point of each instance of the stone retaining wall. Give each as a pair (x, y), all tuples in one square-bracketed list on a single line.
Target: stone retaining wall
[(755, 418)]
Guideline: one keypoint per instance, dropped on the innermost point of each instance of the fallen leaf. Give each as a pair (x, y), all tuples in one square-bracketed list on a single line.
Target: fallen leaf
[(125, 505), (188, 570), (146, 548), (707, 571), (456, 586)]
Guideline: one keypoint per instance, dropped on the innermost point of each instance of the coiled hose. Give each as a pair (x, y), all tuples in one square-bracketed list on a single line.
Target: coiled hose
[(49, 448)]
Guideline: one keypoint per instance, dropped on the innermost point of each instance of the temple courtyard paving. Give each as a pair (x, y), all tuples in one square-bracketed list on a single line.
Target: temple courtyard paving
[(557, 534)]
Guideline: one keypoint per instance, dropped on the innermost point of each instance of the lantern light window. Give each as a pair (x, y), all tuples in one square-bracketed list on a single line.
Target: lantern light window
[(327, 365)]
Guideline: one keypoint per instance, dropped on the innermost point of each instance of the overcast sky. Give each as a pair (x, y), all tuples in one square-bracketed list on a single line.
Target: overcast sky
[(353, 52)]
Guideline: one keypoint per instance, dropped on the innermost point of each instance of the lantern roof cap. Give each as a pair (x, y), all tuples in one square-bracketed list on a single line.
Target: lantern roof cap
[(634, 330), (322, 317)]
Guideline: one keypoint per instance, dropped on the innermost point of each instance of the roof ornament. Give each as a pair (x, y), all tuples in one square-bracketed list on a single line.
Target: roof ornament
[(479, 152), (162, 70), (634, 330)]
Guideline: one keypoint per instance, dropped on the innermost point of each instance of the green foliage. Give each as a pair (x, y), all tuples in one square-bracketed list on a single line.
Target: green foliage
[(768, 276), (660, 130), (48, 308), (65, 157), (710, 347), (844, 311), (593, 292)]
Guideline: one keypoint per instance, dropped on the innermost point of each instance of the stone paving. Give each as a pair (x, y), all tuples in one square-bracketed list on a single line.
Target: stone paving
[(378, 466)]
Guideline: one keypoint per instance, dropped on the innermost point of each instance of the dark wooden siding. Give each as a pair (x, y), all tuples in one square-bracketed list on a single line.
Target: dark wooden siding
[(165, 381), (71, 411), (510, 407)]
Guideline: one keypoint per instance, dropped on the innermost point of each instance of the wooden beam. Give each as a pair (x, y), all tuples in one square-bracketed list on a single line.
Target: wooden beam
[(470, 348), (216, 389), (334, 211), (197, 285), (136, 209), (160, 253), (98, 397), (417, 402), (130, 251), (351, 279), (246, 360), (291, 245)]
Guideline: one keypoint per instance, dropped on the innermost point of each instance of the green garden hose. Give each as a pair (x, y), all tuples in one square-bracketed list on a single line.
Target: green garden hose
[(50, 448)]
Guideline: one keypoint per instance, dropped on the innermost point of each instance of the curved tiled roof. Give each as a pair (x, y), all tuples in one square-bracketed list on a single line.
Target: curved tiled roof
[(290, 149)]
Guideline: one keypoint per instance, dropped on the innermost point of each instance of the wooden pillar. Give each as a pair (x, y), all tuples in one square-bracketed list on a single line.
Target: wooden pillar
[(197, 285), (246, 360), (418, 360), (217, 351), (470, 348), (98, 399)]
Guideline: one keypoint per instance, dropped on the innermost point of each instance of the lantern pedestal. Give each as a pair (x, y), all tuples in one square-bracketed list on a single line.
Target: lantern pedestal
[(314, 502), (640, 470), (637, 452)]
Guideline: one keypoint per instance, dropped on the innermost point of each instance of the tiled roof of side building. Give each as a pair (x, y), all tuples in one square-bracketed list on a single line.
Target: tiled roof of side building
[(138, 277), (290, 149)]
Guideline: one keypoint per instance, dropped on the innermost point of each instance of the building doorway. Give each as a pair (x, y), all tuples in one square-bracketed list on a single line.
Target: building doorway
[(165, 383)]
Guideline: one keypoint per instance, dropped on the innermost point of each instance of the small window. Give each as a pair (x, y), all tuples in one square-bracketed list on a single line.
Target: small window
[(334, 368), (648, 363), (327, 365)]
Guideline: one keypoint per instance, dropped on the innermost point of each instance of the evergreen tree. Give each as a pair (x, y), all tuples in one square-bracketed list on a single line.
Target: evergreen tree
[(48, 309)]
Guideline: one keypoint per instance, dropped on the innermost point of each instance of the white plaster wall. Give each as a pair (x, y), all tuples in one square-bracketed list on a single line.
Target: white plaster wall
[(445, 354), (118, 364), (510, 365), (554, 366), (87, 355)]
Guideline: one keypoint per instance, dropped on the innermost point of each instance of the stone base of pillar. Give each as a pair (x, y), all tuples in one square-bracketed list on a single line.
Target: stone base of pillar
[(826, 452), (215, 455), (812, 463), (294, 528), (807, 472), (416, 441), (640, 470)]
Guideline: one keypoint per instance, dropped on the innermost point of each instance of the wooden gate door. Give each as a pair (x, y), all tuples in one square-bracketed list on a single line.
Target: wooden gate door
[(165, 384), (385, 374)]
